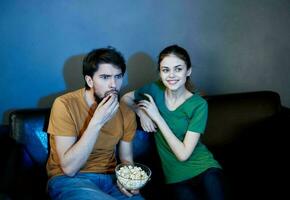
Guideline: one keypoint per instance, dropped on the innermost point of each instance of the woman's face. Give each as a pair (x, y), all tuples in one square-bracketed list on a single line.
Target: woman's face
[(173, 72)]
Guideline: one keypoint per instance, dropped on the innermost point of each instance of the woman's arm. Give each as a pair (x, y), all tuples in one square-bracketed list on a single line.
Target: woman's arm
[(146, 123), (181, 149)]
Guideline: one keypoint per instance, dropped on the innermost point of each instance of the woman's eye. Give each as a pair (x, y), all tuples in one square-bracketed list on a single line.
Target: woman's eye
[(164, 70), (178, 69)]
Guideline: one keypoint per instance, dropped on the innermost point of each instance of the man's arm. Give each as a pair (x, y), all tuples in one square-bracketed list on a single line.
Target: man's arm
[(126, 156), (146, 123), (73, 153), (125, 152)]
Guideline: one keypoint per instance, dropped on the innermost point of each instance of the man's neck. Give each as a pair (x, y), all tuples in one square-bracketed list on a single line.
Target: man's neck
[(89, 97)]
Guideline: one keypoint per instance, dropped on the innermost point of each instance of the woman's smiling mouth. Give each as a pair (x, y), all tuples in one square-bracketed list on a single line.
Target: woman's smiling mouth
[(172, 82)]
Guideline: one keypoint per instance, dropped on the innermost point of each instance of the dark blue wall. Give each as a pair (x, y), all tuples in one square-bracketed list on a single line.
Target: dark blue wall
[(240, 45)]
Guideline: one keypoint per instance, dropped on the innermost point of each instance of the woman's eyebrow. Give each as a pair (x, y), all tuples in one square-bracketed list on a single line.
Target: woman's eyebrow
[(173, 66)]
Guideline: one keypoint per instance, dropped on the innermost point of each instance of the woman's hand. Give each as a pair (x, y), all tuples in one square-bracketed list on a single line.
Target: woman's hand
[(150, 108)]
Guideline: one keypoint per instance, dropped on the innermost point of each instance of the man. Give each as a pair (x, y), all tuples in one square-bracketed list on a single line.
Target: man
[(85, 126)]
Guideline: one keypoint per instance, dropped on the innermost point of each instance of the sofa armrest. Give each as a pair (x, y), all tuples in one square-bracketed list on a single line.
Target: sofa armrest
[(28, 161), (28, 129)]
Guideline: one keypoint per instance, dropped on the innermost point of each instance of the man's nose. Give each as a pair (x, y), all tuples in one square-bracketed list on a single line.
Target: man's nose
[(113, 83)]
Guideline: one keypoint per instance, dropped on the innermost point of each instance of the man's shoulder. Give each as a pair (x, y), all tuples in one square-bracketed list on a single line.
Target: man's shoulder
[(70, 96), (125, 109)]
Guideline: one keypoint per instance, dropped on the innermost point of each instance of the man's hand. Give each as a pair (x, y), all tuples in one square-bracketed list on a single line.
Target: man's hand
[(126, 192), (146, 122), (106, 109)]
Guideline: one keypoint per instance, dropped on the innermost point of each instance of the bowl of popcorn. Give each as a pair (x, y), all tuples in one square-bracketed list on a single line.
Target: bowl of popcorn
[(132, 176)]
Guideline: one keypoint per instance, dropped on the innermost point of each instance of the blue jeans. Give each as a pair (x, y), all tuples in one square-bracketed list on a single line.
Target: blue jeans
[(208, 185), (86, 186)]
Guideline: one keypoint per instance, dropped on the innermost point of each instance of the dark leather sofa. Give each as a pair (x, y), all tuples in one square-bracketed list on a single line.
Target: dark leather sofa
[(246, 133)]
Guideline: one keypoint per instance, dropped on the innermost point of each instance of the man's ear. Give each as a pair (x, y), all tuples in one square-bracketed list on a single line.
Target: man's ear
[(188, 72), (89, 81)]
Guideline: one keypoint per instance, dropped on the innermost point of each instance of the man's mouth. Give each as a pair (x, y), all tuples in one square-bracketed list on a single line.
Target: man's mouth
[(115, 92)]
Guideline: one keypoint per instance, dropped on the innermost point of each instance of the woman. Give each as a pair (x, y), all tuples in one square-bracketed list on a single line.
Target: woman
[(178, 116)]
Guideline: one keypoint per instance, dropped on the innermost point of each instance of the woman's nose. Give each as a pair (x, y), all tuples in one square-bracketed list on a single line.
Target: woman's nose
[(171, 74)]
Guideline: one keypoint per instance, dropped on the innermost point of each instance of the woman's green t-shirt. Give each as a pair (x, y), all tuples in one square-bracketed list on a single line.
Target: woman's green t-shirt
[(189, 116)]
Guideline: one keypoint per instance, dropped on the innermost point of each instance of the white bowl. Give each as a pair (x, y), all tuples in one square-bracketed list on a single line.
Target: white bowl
[(132, 176)]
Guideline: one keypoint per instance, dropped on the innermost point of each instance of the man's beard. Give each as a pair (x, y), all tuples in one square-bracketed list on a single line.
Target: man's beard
[(98, 99)]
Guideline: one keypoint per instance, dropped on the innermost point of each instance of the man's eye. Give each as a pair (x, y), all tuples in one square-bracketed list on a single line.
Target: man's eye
[(105, 77), (119, 76)]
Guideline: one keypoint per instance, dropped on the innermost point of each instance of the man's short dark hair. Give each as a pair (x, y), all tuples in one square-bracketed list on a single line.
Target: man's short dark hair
[(96, 57)]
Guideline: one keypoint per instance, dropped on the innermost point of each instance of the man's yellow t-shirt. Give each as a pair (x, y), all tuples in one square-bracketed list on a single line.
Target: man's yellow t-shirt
[(70, 116)]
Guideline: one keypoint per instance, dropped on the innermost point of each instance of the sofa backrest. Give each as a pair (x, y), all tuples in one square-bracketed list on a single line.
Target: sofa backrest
[(232, 115), (28, 128)]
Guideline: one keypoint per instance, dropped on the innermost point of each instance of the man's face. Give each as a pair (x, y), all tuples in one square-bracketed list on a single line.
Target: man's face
[(108, 79)]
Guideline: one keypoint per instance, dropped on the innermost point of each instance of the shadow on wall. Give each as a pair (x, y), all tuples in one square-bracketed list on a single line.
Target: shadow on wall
[(141, 70), (72, 73)]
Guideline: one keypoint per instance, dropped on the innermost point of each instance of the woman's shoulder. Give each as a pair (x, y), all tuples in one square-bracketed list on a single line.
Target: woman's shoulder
[(197, 100), (198, 97)]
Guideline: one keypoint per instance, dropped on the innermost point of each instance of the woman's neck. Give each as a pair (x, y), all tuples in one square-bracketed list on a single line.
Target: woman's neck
[(175, 94), (174, 99)]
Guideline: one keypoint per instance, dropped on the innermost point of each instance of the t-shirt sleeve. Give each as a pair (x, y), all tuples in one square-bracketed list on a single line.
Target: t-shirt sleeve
[(60, 121), (148, 89), (199, 118), (130, 124)]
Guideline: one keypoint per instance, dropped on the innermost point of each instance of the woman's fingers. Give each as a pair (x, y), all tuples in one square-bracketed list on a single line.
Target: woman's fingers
[(143, 103), (149, 97)]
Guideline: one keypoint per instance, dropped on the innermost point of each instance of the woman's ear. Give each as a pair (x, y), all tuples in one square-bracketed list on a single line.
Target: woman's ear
[(188, 73), (89, 81)]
